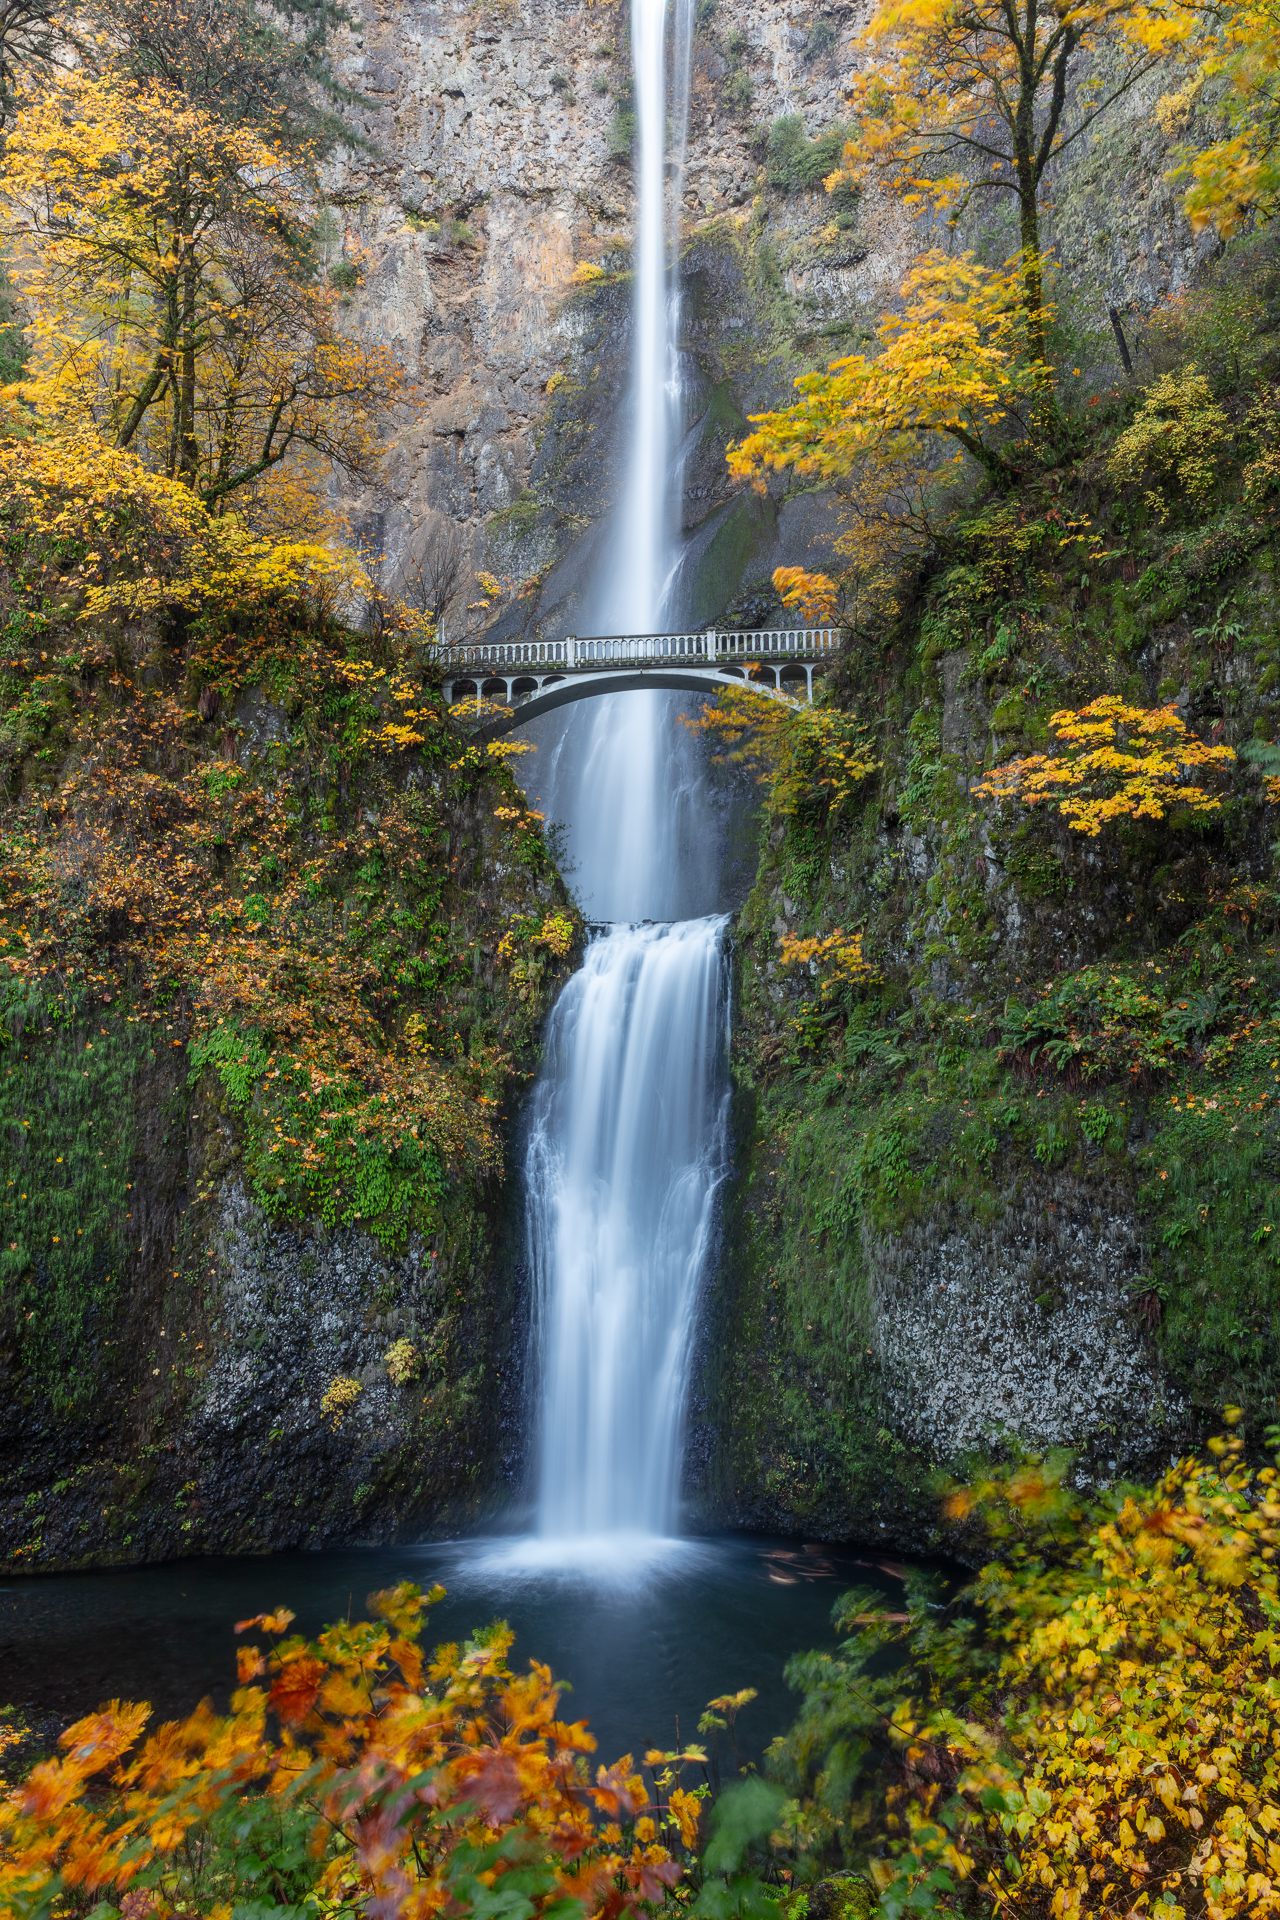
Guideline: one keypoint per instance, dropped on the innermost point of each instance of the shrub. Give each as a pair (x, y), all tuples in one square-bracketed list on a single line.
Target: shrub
[(1113, 762), (813, 756), (557, 935), (1218, 329), (339, 1397), (838, 959), (396, 1784), (1179, 436), (402, 1362), (1095, 1732), (822, 38), (796, 163), (622, 133), (739, 91)]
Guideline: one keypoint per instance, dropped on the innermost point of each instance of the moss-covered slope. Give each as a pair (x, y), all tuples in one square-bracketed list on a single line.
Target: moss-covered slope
[(1020, 1190), (275, 942)]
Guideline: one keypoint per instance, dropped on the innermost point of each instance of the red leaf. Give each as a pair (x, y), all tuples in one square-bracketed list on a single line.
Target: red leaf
[(295, 1692), (495, 1789)]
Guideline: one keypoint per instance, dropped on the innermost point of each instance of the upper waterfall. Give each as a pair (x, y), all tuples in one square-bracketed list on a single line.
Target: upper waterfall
[(633, 596), (621, 777)]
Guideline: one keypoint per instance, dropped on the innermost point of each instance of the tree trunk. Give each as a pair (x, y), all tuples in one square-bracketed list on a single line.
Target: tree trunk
[(1029, 233), (189, 454)]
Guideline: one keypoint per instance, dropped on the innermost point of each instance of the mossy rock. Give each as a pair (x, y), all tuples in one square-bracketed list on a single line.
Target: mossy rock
[(1011, 714)]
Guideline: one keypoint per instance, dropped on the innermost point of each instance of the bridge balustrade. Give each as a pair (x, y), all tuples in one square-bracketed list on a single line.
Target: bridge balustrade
[(574, 655)]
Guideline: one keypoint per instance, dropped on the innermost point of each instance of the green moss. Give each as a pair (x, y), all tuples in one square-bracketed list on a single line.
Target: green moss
[(520, 517), (69, 1069), (745, 528), (723, 416)]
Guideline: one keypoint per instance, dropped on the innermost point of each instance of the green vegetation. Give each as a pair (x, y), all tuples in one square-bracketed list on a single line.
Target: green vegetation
[(71, 1071), (794, 162), (1060, 1021)]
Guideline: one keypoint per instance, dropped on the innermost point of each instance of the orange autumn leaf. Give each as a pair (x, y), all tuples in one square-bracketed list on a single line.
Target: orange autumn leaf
[(297, 1689)]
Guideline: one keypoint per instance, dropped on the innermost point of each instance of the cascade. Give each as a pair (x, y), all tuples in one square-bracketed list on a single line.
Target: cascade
[(625, 1152), (626, 1138)]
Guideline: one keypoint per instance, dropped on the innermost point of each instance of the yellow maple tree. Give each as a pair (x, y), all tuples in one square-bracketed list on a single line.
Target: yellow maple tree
[(1113, 762), (171, 296), (1151, 1772), (962, 98), (125, 541), (1232, 54), (955, 365), (1106, 1747)]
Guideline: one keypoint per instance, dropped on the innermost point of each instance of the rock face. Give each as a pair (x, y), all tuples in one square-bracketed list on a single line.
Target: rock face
[(489, 214), (1021, 1331)]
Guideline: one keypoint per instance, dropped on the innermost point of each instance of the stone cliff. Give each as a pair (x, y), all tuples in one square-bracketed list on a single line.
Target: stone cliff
[(489, 216)]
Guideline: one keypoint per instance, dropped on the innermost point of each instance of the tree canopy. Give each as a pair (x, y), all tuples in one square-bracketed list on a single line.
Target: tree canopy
[(165, 259), (965, 97)]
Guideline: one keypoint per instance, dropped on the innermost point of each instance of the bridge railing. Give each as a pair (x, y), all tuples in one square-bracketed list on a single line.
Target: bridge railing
[(605, 651)]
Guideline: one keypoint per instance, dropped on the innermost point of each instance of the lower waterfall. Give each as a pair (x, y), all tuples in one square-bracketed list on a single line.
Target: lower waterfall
[(626, 1149)]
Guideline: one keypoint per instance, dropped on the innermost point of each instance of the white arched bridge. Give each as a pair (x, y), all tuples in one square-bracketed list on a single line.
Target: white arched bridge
[(529, 677)]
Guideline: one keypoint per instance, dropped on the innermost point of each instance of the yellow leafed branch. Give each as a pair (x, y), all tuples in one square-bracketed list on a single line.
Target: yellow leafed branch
[(1113, 762)]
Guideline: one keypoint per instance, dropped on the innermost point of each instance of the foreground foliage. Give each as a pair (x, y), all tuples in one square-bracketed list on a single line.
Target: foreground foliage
[(354, 1774), (1093, 1729)]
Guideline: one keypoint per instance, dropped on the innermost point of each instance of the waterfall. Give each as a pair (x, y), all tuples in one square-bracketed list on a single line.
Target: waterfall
[(625, 779), (625, 1153), (627, 1125)]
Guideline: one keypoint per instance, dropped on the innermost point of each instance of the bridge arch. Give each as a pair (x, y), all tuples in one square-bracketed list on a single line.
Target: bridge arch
[(563, 693), (532, 677)]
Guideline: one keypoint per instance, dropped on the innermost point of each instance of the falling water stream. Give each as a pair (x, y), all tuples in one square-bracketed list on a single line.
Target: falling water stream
[(626, 1150), (626, 1145)]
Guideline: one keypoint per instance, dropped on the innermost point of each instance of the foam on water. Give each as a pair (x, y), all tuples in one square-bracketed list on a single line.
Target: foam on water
[(612, 1558)]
